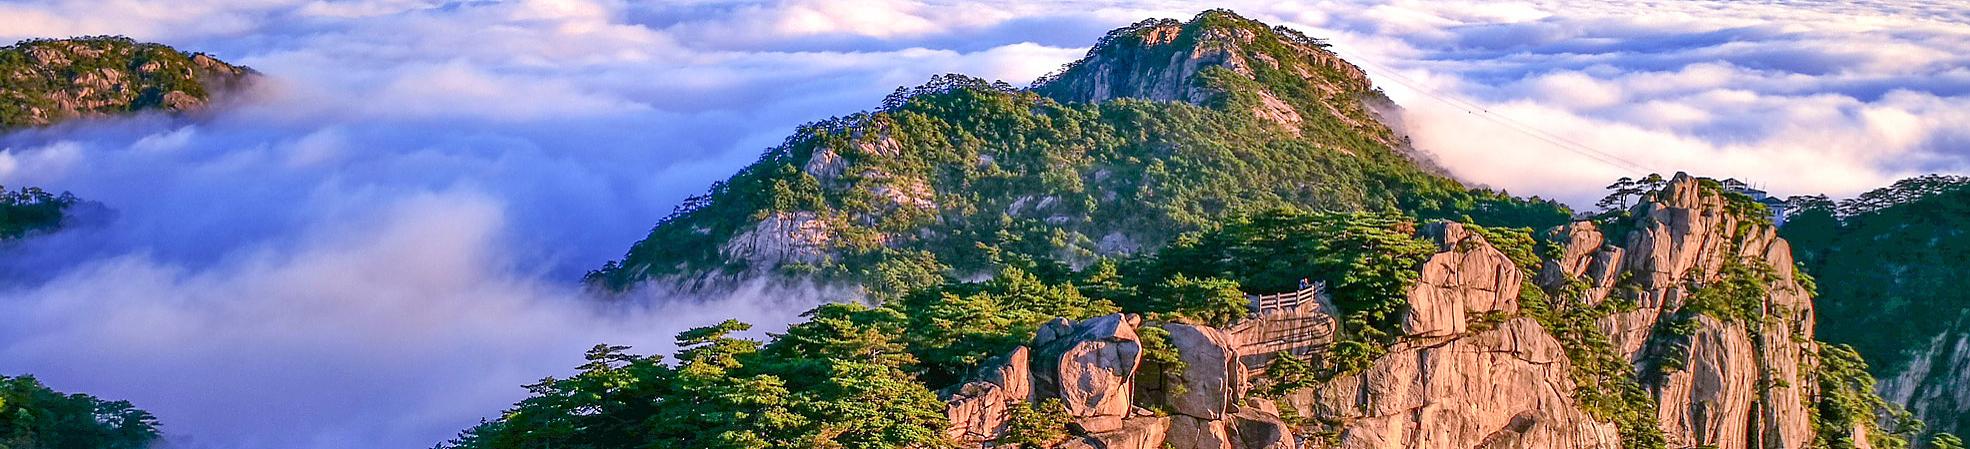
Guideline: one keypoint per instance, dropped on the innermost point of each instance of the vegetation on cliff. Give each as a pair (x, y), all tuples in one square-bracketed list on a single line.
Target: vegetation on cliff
[(44, 81)]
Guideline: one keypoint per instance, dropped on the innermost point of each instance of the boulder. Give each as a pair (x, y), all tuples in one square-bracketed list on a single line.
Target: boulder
[(1144, 432), (1251, 428), (978, 408), (1212, 377), (1187, 432), (1090, 366)]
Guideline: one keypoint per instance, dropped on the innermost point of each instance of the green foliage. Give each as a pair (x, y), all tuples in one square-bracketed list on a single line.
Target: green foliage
[(31, 210), (32, 416), (1847, 401), (1367, 260), (1945, 440), (834, 381), (1209, 301), (1160, 355), (1604, 383), (950, 329), (1890, 274), (1035, 426), (1287, 373), (1737, 294), (1889, 270), (1518, 244)]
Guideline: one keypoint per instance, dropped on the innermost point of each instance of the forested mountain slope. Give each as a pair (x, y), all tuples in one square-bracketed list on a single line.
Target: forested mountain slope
[(1894, 275), (1165, 127)]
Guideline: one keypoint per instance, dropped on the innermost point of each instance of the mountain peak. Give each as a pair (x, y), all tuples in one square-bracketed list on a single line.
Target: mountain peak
[(1169, 60)]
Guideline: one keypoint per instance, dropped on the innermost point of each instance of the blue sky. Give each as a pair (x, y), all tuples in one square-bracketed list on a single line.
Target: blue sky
[(377, 246)]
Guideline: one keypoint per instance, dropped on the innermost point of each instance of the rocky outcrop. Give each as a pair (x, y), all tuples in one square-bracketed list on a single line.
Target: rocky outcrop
[(783, 237), (1468, 278), (1503, 388), (1092, 366), (48, 81), (1304, 325), (1213, 379), (1725, 383), (978, 409), (1474, 368)]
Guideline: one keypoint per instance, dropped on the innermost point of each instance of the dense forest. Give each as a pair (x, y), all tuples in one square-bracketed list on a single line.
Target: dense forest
[(32, 416), (1890, 261), (1892, 272)]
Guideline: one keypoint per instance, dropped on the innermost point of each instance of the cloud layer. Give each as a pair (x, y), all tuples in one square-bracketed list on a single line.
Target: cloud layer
[(375, 248)]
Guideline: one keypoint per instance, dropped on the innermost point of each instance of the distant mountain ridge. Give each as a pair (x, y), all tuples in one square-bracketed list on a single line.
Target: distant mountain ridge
[(1164, 127), (1894, 268), (47, 81)]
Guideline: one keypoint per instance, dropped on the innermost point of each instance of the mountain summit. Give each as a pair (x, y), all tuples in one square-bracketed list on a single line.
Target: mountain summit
[(1165, 127), (1220, 58)]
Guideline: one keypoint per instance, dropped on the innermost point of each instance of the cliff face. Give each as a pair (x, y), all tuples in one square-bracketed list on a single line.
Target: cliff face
[(1725, 359), (1733, 374), (47, 81)]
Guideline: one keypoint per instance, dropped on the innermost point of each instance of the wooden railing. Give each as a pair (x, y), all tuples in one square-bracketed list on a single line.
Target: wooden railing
[(1263, 305), (1285, 322)]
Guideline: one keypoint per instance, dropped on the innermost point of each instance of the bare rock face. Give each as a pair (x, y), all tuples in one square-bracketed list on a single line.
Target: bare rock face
[(1187, 432), (783, 237), (1212, 377), (978, 409), (1090, 367), (1507, 387), (1731, 385), (1252, 428), (1469, 277)]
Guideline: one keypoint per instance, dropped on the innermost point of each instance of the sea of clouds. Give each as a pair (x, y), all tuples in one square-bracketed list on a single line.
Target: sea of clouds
[(377, 246)]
